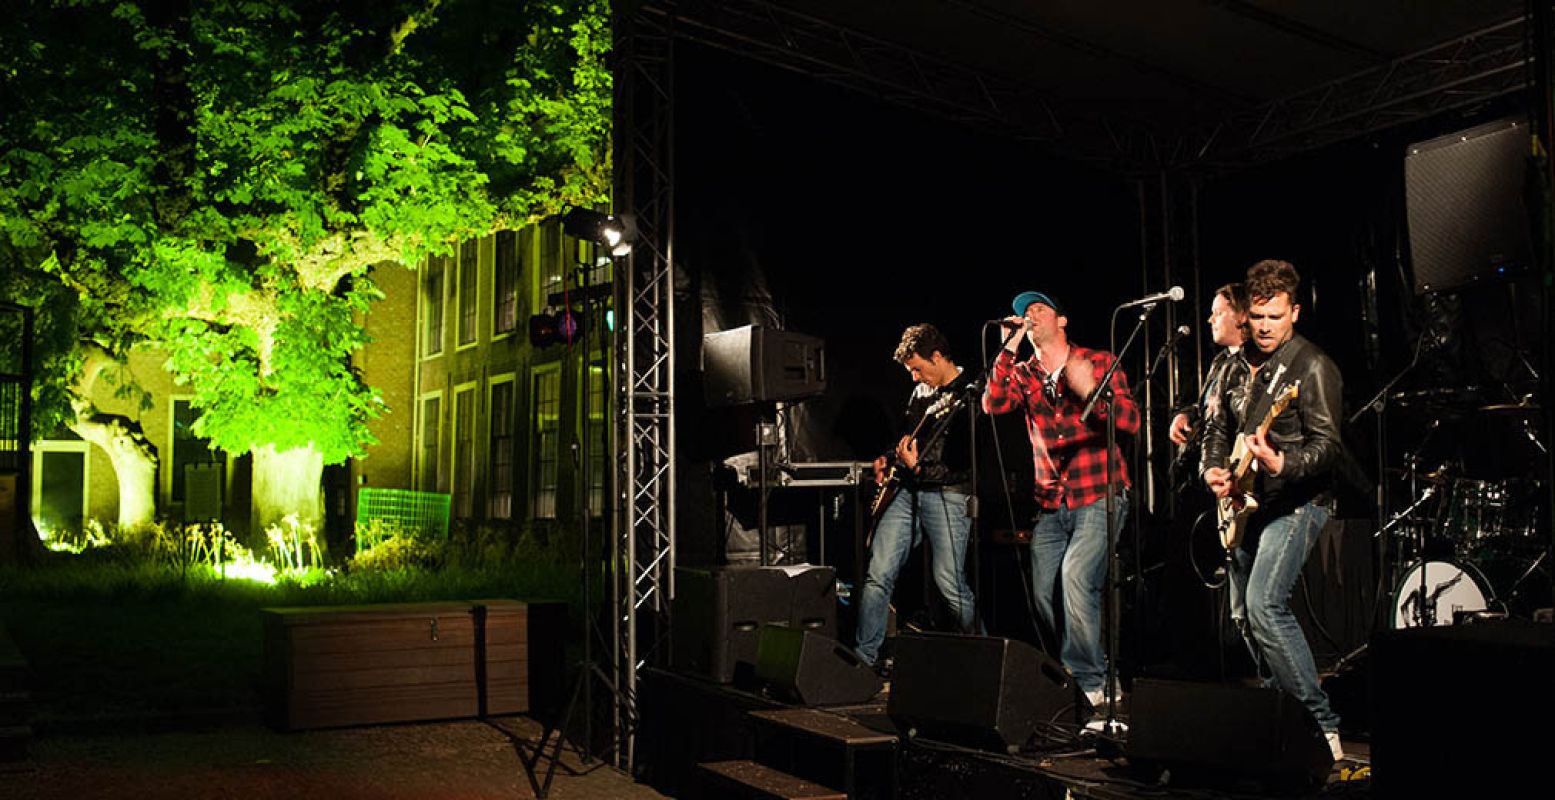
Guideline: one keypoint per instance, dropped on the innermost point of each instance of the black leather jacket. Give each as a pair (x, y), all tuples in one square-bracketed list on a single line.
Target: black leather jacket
[(1307, 432)]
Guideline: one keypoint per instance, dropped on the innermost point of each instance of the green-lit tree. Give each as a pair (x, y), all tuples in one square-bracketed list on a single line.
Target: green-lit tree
[(216, 178)]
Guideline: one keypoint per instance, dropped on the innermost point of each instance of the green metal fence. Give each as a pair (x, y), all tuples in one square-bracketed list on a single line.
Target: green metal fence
[(399, 511)]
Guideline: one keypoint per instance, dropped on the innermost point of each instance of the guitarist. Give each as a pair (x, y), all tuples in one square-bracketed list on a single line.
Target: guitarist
[(1228, 330), (934, 471), (1295, 463)]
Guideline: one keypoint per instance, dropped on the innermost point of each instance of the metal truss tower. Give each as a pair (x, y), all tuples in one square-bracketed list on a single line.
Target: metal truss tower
[(643, 563)]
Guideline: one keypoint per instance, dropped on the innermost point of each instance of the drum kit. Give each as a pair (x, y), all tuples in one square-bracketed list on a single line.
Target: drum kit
[(1472, 544)]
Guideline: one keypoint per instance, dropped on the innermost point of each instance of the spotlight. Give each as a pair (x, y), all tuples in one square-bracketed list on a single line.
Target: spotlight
[(542, 330), (569, 326), (615, 233)]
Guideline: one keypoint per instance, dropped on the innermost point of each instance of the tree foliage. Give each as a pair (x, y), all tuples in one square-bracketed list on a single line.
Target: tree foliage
[(217, 176)]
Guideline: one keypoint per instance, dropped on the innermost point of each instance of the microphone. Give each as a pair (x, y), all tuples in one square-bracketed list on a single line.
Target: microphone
[(1173, 294), (1005, 323), (1182, 330)]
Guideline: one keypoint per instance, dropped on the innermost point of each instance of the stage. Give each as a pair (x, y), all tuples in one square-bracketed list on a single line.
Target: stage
[(717, 723)]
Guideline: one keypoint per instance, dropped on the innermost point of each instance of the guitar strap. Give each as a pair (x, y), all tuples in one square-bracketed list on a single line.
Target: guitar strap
[(1266, 384)]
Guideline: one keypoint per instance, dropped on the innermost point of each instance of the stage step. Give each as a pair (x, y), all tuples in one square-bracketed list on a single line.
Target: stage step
[(833, 728), (751, 780)]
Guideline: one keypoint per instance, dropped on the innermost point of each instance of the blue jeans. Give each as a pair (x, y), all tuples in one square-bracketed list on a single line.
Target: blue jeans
[(1261, 584), (911, 515), (1071, 543)]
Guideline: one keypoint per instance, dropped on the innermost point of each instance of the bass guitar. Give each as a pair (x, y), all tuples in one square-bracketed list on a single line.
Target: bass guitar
[(893, 479), (1233, 510)]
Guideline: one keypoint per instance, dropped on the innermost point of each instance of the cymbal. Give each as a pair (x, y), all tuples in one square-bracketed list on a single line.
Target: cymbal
[(1440, 476), (1525, 407)]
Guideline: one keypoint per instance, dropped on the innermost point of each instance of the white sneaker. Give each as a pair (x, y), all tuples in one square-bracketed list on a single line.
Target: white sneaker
[(1334, 746), (1096, 697)]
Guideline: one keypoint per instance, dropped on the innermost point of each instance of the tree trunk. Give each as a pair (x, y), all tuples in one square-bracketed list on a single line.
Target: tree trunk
[(288, 482), (134, 462)]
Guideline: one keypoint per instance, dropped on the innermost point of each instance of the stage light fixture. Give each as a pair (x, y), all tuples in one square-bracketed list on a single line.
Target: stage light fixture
[(569, 326), (616, 233), (542, 330)]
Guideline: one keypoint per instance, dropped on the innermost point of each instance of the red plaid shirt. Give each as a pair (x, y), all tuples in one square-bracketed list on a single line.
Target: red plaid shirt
[(1070, 458)]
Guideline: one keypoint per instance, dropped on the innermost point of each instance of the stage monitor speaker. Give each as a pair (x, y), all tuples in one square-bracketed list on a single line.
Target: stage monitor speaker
[(1217, 735), (813, 670), (980, 691), (753, 364), (1460, 708), (719, 612), (1464, 193)]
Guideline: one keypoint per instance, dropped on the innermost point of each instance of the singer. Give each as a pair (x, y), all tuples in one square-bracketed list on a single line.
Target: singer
[(1069, 535)]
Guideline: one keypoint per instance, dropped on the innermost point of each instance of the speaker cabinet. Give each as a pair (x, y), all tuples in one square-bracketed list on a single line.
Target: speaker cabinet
[(753, 364), (1465, 197), (980, 691), (719, 613), (1459, 707), (1222, 735), (813, 670)]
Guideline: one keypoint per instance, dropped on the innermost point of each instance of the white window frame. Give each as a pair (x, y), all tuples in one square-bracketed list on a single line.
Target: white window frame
[(475, 288), (61, 446), (553, 371), (463, 392), (511, 379), (518, 276), (418, 441)]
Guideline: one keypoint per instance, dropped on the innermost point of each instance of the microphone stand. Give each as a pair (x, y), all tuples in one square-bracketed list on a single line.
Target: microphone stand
[(1103, 392)]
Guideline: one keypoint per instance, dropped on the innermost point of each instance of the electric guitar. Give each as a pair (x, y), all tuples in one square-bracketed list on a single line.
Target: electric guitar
[(1233, 510), (893, 479)]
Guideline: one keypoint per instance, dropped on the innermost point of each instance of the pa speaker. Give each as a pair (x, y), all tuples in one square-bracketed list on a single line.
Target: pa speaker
[(980, 691), (1465, 197), (752, 364), (1222, 735), (1462, 706), (719, 612), (811, 669)]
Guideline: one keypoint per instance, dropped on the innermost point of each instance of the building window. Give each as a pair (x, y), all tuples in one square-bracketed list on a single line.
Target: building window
[(187, 449), (504, 290), (428, 466), (499, 485), (464, 451), (434, 292), (598, 445), (469, 295), (548, 270), (61, 475), (547, 433)]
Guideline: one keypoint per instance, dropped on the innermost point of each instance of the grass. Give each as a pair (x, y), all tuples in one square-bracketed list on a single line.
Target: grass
[(110, 639)]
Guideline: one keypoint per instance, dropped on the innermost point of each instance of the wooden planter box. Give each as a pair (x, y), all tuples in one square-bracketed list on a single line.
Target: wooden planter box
[(352, 665)]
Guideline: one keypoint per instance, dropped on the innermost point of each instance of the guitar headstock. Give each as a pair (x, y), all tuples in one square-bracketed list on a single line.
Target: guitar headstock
[(942, 406)]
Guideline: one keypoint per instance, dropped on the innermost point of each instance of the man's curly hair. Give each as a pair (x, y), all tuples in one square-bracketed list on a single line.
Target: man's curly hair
[(922, 340), (1269, 277)]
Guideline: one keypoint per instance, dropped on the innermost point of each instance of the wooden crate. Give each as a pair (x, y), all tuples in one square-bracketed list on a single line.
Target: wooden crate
[(350, 665)]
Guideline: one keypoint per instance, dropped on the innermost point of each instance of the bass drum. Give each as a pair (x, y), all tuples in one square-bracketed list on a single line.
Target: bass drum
[(1450, 587)]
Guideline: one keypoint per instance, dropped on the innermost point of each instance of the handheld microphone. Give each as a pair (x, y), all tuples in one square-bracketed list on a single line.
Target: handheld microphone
[(1005, 323), (1173, 294)]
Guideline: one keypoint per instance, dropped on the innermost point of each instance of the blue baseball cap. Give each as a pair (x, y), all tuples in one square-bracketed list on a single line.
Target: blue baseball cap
[(1025, 299)]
